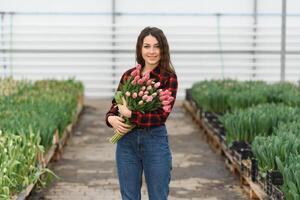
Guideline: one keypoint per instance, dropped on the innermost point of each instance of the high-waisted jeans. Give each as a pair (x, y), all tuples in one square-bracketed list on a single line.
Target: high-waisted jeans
[(144, 150)]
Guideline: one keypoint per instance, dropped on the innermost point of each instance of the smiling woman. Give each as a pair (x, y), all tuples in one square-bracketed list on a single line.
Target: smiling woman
[(152, 49), (145, 147)]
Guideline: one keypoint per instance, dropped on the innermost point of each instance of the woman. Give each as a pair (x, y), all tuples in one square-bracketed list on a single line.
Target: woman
[(146, 147)]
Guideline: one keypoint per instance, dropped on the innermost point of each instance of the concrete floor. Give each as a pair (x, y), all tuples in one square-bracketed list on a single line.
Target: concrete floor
[(88, 172)]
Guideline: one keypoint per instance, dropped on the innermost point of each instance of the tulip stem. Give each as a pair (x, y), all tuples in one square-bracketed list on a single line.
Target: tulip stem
[(116, 137)]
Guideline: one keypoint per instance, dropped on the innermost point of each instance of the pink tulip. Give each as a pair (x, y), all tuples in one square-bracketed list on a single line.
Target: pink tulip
[(154, 94), (134, 95), (165, 103), (146, 92), (149, 82), (145, 97), (149, 87), (141, 93), (165, 92), (136, 78), (162, 93), (134, 73), (133, 82), (138, 67), (163, 98), (171, 99), (149, 98), (146, 76), (167, 108), (127, 94), (168, 92), (140, 81), (156, 85), (143, 88)]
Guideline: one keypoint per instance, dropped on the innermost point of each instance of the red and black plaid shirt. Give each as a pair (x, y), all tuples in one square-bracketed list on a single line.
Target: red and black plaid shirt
[(153, 118)]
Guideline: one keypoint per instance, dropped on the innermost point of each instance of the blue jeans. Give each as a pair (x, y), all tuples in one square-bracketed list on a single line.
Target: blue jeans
[(144, 150)]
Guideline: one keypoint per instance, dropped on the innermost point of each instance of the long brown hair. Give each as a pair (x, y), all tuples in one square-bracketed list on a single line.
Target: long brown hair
[(165, 61)]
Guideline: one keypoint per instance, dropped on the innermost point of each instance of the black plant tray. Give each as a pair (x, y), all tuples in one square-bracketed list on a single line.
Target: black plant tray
[(274, 179)]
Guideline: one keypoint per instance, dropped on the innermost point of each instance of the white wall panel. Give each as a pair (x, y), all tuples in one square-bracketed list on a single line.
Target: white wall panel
[(187, 6), (81, 42), (56, 5)]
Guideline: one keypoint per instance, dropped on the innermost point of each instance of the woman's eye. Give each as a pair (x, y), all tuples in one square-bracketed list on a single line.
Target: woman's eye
[(157, 47)]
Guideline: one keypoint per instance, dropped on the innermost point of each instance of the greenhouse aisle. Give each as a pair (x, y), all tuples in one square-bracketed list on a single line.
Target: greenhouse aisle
[(87, 169)]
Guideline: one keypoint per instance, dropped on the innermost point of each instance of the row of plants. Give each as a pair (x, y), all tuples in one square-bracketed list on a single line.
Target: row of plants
[(221, 96), (264, 115), (261, 120), (18, 158), (281, 152), (30, 112), (43, 106), (9, 86)]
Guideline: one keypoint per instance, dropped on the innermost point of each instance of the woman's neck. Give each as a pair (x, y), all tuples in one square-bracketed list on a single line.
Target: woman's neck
[(147, 69)]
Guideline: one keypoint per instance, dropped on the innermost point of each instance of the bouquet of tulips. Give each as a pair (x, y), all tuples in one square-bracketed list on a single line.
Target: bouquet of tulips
[(141, 94)]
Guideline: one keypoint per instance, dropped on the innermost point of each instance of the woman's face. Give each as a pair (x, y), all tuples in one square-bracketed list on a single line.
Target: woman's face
[(151, 51)]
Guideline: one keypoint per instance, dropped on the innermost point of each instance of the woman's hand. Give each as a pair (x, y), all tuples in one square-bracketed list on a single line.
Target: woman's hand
[(117, 123), (123, 110)]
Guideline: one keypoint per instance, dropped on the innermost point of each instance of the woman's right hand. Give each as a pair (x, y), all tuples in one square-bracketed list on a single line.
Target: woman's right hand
[(118, 123)]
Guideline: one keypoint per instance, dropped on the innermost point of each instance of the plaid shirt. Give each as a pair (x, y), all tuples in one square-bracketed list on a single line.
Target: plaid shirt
[(156, 117)]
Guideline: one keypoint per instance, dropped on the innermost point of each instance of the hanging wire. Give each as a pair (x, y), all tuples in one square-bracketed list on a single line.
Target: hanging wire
[(220, 45), (11, 45), (3, 45)]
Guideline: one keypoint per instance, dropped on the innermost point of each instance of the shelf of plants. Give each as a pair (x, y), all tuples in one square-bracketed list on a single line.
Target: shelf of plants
[(258, 129), (34, 118)]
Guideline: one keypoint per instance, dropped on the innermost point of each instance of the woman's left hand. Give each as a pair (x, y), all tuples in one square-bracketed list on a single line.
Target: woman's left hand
[(123, 110)]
